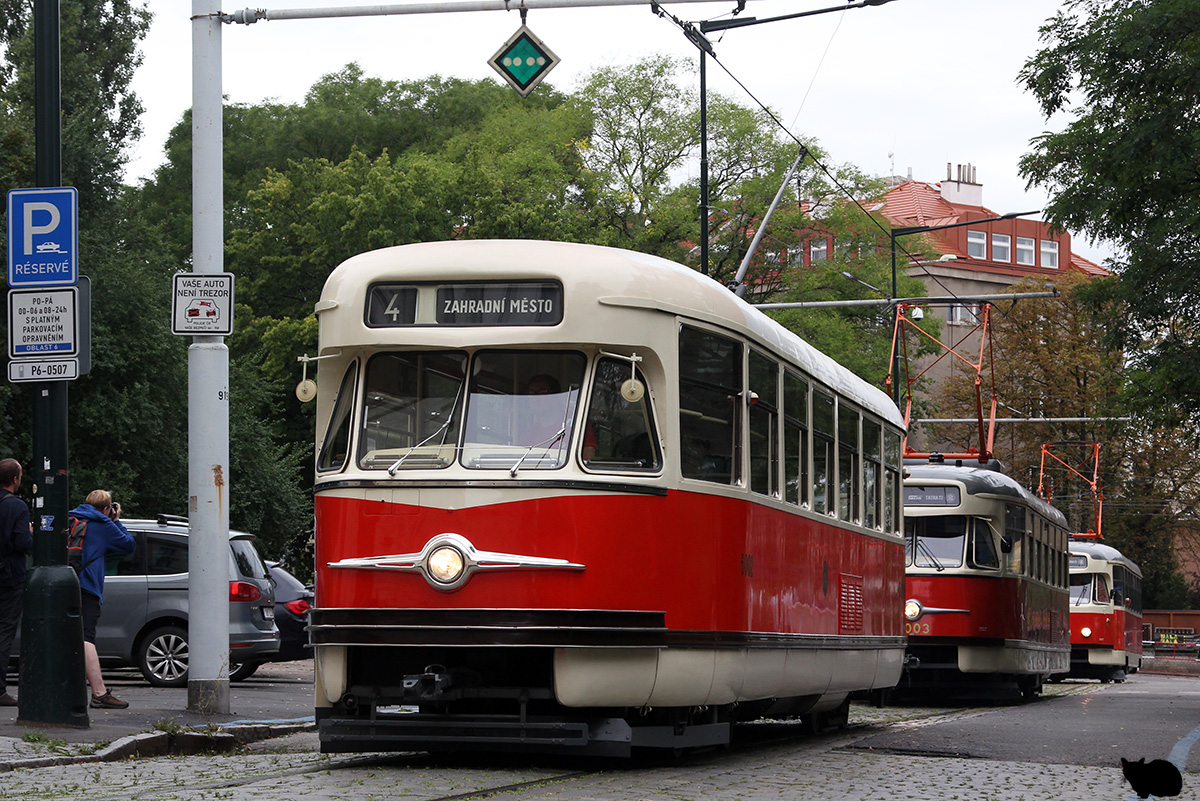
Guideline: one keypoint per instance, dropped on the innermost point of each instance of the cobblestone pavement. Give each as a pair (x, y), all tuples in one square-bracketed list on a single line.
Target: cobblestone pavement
[(795, 767)]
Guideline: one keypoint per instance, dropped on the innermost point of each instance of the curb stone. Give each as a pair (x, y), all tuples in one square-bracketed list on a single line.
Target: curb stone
[(223, 739)]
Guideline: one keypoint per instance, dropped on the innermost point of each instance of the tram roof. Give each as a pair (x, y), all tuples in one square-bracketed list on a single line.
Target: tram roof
[(1098, 550), (983, 480), (614, 276)]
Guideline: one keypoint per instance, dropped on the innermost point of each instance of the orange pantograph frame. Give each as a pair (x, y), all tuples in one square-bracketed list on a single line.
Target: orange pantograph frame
[(987, 428), (1046, 487)]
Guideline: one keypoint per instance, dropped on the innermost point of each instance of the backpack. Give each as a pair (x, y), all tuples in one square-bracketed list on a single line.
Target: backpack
[(77, 529)]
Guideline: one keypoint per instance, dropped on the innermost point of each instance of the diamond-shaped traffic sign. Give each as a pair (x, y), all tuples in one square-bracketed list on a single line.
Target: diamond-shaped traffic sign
[(523, 61)]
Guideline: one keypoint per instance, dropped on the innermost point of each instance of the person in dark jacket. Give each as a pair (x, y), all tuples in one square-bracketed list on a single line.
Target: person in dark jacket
[(104, 534), (16, 541)]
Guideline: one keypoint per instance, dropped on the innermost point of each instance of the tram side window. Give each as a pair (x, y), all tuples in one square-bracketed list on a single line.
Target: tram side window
[(795, 439), (710, 393), (336, 445), (764, 424), (983, 548), (891, 484), (1014, 537), (823, 451), (872, 472), (849, 467), (411, 410), (622, 431)]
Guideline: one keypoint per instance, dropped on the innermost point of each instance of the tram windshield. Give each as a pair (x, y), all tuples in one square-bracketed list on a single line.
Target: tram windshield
[(1089, 588), (521, 409), (936, 542)]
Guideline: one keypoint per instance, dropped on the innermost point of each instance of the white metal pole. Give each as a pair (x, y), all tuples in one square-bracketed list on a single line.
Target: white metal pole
[(252, 15), (208, 390)]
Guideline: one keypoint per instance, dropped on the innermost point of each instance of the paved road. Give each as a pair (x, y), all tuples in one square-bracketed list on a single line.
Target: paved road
[(1064, 747)]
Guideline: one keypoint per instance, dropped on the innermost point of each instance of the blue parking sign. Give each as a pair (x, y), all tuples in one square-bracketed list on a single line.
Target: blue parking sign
[(43, 236)]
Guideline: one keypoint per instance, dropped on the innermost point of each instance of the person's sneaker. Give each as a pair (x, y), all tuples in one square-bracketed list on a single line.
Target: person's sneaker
[(108, 701), (7, 700)]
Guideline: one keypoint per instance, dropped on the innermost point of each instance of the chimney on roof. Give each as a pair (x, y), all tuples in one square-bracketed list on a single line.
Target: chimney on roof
[(962, 188)]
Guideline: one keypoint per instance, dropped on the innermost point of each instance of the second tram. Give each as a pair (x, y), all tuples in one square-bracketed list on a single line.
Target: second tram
[(1106, 612), (986, 581), (579, 499)]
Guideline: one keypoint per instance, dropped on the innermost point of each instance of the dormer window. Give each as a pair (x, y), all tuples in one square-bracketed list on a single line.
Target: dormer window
[(1025, 251), (1050, 254), (977, 244), (1001, 247)]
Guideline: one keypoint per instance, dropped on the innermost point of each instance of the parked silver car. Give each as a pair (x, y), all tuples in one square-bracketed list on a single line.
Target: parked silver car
[(144, 623)]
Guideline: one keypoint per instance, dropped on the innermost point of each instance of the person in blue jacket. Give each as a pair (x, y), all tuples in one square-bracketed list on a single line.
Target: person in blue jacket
[(104, 534)]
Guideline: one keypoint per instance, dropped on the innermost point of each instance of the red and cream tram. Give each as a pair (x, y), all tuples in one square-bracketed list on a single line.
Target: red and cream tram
[(986, 581), (578, 499), (1106, 612)]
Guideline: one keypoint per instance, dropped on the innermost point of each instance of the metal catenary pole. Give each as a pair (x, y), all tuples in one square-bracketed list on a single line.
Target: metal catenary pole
[(208, 390), (53, 690)]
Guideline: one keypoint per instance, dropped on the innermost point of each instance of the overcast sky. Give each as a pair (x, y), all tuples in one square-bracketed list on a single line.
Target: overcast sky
[(911, 85)]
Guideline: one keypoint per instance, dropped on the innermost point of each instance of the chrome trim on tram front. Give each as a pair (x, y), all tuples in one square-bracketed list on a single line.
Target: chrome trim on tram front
[(471, 561)]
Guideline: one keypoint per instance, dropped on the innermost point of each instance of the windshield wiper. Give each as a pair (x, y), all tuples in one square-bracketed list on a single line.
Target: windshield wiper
[(546, 442), (553, 438), (391, 471), (925, 549)]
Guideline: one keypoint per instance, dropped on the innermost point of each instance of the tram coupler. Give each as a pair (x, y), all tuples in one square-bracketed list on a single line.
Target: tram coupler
[(428, 686)]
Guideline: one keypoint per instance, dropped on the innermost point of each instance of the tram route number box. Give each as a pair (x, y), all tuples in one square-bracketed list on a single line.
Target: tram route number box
[(202, 304)]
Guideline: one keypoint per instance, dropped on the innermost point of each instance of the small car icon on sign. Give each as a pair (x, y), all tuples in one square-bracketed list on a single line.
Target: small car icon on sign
[(202, 309)]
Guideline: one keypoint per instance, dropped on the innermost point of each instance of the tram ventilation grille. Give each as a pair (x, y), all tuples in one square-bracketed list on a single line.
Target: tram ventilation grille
[(850, 607)]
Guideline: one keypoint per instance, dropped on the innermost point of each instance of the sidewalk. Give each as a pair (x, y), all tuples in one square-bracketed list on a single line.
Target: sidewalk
[(276, 700)]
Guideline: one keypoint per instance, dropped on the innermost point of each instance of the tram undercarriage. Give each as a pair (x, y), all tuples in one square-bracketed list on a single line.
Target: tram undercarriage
[(504, 699)]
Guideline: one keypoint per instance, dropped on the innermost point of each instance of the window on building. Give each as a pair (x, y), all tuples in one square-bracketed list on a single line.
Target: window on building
[(1025, 250), (1050, 254), (818, 250), (1001, 247), (977, 244), (962, 314)]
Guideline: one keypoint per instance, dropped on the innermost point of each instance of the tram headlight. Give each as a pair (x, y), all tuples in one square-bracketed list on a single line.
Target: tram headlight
[(446, 565), (1085, 631), (912, 609)]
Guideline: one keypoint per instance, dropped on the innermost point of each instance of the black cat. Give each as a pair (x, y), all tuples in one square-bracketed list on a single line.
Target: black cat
[(1159, 778)]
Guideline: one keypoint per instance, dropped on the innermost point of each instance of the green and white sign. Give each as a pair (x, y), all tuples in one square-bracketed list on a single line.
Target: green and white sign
[(523, 61)]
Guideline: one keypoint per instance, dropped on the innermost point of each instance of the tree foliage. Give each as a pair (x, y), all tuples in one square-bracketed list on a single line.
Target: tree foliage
[(1050, 361), (1124, 169)]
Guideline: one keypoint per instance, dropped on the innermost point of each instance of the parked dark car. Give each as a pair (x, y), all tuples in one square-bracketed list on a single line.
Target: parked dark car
[(292, 602)]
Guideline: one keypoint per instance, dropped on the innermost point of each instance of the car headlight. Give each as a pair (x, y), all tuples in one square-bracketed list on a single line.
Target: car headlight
[(446, 564), (1085, 631), (912, 609)]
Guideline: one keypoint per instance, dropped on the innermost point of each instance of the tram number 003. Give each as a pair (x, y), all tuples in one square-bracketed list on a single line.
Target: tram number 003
[(916, 628)]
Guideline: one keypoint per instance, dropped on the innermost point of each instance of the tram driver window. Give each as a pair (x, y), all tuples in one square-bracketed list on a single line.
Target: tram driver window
[(620, 433), (521, 409), (935, 542), (710, 392), (411, 410)]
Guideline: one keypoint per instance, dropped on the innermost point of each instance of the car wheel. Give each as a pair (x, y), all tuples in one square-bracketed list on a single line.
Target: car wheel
[(163, 657), (243, 671)]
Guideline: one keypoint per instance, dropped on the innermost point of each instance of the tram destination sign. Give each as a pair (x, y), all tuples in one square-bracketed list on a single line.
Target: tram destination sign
[(500, 304), (465, 304), (931, 496)]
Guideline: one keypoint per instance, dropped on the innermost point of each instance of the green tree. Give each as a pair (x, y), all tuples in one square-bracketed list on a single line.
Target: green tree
[(1050, 361), (1124, 170), (644, 128)]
